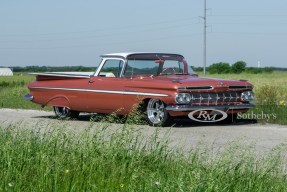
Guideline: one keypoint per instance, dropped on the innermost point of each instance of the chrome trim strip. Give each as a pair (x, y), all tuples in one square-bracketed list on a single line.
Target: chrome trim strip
[(28, 97), (191, 108), (61, 75), (102, 91), (195, 88)]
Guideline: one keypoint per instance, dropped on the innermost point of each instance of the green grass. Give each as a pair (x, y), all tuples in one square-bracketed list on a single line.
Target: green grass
[(12, 90), (125, 160)]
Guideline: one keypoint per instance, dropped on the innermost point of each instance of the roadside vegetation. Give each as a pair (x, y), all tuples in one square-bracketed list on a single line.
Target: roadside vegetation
[(12, 90), (99, 159)]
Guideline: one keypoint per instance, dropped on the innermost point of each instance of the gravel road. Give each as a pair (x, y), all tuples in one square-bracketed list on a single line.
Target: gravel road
[(187, 134)]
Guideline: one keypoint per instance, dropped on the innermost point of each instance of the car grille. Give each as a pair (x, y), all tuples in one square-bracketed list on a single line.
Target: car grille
[(223, 98)]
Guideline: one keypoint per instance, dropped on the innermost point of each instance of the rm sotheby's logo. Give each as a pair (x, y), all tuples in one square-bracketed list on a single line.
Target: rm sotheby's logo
[(207, 115)]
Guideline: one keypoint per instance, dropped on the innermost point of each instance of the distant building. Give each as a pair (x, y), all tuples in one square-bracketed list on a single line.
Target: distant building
[(6, 72)]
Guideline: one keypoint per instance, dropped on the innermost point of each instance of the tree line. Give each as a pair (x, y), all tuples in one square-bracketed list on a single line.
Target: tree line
[(220, 68), (236, 68), (32, 69)]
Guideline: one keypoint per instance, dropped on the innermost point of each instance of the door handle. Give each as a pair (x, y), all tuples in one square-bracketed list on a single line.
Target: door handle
[(91, 81)]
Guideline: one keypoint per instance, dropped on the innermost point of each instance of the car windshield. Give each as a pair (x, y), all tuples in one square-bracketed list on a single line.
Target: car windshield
[(157, 65)]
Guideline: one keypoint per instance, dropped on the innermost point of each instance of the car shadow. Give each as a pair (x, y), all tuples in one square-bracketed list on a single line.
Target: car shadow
[(184, 123), (178, 122)]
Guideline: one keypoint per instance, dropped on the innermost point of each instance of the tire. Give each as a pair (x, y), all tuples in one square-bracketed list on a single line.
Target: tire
[(64, 113), (156, 113)]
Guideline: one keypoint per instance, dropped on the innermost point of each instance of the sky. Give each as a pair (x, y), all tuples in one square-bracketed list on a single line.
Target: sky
[(73, 32)]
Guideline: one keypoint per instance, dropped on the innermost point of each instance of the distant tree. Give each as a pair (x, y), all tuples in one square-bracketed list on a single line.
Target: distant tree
[(197, 69), (238, 67), (52, 69), (219, 68), (268, 70), (253, 70)]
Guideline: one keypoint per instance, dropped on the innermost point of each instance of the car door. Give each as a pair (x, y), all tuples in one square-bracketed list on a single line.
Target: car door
[(107, 88)]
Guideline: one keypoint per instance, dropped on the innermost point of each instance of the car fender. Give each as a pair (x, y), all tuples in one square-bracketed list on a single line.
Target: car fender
[(59, 101)]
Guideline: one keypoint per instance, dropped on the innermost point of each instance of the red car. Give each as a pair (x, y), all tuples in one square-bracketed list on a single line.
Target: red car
[(163, 85)]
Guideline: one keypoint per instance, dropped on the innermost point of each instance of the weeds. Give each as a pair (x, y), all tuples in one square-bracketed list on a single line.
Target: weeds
[(126, 160)]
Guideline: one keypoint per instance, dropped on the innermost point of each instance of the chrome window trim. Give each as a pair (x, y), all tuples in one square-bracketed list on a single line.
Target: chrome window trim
[(96, 74)]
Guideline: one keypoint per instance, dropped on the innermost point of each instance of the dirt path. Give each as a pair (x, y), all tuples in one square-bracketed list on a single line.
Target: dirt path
[(188, 135)]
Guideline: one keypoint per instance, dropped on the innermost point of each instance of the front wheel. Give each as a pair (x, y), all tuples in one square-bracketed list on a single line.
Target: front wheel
[(64, 112), (157, 114)]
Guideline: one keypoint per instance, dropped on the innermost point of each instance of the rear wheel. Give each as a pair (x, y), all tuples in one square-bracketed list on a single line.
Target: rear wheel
[(157, 114), (64, 112)]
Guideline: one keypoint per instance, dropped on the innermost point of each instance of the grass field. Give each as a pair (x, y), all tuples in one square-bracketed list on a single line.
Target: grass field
[(270, 90), (125, 160), (12, 90)]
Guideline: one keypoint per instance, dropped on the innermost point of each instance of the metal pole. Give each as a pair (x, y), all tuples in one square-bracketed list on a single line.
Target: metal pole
[(204, 39)]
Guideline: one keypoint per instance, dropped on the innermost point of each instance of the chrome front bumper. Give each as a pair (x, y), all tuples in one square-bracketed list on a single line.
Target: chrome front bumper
[(219, 107), (28, 97)]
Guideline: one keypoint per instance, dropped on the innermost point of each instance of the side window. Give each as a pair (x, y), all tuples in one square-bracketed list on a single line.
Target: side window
[(111, 68)]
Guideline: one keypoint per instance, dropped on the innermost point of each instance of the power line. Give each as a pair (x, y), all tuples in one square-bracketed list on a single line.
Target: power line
[(104, 29), (204, 38), (105, 44), (250, 33), (249, 23), (103, 35), (279, 15)]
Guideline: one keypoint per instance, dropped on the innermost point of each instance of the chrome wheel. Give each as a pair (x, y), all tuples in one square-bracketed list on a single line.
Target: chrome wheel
[(156, 113), (64, 112)]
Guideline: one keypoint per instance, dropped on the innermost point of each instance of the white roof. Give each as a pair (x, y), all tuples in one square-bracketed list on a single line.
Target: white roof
[(126, 54)]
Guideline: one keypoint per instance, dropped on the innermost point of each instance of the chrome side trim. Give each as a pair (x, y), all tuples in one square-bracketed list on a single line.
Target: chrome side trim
[(28, 97), (222, 107), (102, 91), (62, 75)]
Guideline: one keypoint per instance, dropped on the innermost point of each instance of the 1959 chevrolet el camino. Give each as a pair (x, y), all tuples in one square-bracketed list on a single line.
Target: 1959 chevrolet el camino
[(163, 85)]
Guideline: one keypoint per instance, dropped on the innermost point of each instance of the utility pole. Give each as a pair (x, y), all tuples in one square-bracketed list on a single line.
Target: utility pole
[(204, 39)]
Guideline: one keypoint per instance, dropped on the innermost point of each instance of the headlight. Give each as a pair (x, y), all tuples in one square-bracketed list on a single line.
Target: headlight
[(182, 98), (247, 96)]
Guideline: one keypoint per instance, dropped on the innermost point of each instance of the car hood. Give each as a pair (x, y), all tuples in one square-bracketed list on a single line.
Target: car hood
[(189, 82), (194, 80)]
